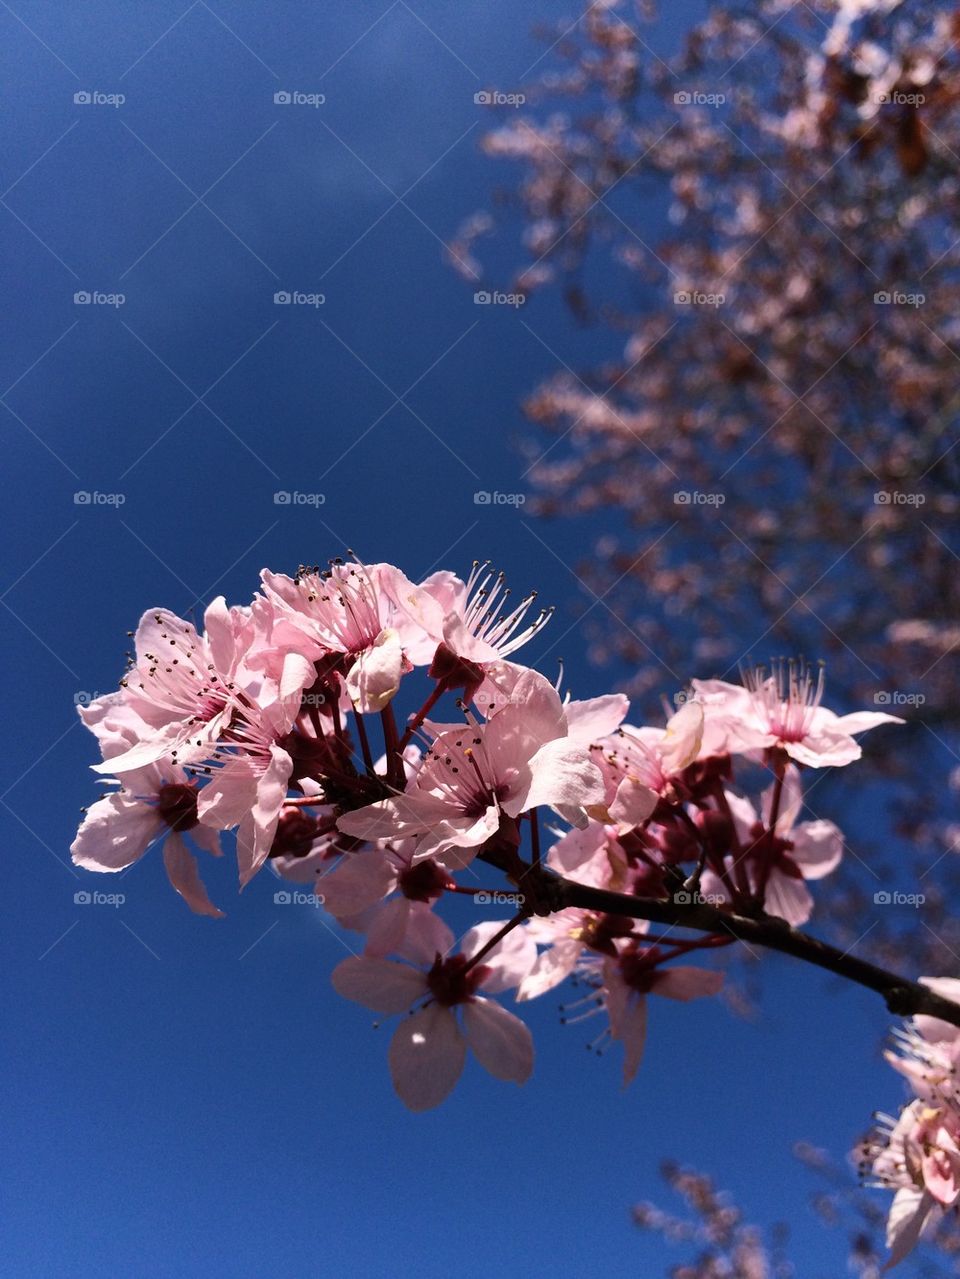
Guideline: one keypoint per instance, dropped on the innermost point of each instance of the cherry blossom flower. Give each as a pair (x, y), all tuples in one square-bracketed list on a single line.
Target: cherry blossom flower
[(781, 860), (629, 978), (781, 710), (428, 1049), (641, 765), (350, 610), (157, 802), (474, 777)]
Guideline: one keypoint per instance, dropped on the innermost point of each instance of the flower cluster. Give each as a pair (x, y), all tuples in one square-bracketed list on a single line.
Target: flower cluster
[(917, 1155), (264, 724)]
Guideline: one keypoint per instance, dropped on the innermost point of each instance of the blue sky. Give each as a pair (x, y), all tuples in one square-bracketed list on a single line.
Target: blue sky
[(189, 1097)]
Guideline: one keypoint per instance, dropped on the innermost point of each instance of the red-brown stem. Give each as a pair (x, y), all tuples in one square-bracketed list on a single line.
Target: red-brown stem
[(391, 740), (422, 713), (364, 743)]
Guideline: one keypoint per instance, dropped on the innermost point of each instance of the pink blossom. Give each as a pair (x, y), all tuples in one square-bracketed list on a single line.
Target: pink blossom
[(782, 859), (350, 610), (628, 979), (157, 802), (782, 710), (473, 777), (640, 765), (428, 1049)]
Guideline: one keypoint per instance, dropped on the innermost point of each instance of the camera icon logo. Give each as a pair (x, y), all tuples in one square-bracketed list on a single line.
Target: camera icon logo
[(882, 698), (281, 498), (481, 498), (482, 298), (682, 298), (882, 899), (82, 98), (483, 98), (281, 898), (683, 898), (81, 898), (682, 498), (882, 298), (82, 298), (682, 99), (282, 98), (283, 298), (81, 498)]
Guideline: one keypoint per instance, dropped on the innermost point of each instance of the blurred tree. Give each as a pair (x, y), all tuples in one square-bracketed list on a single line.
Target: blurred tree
[(773, 443)]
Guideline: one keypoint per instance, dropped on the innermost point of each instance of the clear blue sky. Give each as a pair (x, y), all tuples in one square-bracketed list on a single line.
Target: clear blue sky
[(185, 1097)]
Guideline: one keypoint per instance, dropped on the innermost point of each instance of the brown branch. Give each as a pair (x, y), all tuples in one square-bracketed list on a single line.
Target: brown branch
[(546, 893)]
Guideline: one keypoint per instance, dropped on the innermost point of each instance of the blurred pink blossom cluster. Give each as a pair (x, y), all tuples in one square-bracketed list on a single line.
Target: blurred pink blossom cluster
[(278, 720)]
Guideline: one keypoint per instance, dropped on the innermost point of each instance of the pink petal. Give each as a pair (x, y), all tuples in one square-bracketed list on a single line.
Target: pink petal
[(681, 742), (817, 848), (427, 1053), (114, 833), (501, 1042), (684, 982), (380, 984), (183, 874), (552, 967), (788, 898), (632, 804), (908, 1215), (509, 961), (563, 776), (861, 721), (589, 720), (360, 880), (258, 829), (374, 677), (228, 796)]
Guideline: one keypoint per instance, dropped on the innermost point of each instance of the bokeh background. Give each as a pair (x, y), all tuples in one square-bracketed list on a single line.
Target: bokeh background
[(188, 1097)]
